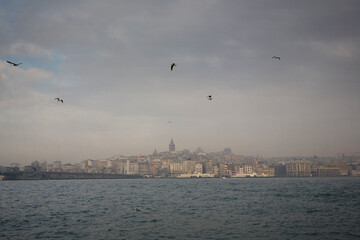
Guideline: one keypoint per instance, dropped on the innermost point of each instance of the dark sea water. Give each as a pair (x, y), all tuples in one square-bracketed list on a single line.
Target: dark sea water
[(278, 208)]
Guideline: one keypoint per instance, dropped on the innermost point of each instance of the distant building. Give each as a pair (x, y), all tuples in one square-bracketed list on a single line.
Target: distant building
[(43, 166), (155, 153), (316, 160), (280, 170), (265, 171), (198, 150), (298, 169), (36, 166), (153, 169), (330, 169), (176, 168), (227, 151), (69, 168), (223, 170), (239, 170), (216, 170), (144, 169), (208, 167), (132, 167), (198, 168), (57, 165), (172, 146), (247, 168), (13, 165), (189, 167)]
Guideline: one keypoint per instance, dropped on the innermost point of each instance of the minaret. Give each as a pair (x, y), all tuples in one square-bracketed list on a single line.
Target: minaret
[(155, 152), (171, 146)]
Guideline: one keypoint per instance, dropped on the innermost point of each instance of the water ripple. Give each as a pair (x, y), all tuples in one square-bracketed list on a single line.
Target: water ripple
[(181, 209)]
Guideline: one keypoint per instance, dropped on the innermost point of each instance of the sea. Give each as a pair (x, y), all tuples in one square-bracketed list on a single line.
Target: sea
[(241, 208)]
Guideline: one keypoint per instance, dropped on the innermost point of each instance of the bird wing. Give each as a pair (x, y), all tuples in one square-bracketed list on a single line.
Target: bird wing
[(19, 63), (10, 62), (62, 101), (57, 99)]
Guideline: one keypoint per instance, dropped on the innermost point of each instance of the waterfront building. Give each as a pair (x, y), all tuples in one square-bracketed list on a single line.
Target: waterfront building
[(330, 169), (230, 170), (109, 163), (280, 170), (165, 164), (216, 170), (119, 166), (298, 169), (198, 168), (189, 167), (57, 165), (248, 168), (83, 165), (154, 169), (36, 166), (265, 171), (29, 169), (208, 167), (69, 168), (43, 166), (132, 167), (224, 170), (239, 170), (144, 169), (323, 171), (176, 168), (355, 169)]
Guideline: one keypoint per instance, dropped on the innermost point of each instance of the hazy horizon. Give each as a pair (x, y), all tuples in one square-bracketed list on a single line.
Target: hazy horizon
[(110, 63)]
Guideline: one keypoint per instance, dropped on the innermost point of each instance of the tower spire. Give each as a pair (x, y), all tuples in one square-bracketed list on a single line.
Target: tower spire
[(172, 146)]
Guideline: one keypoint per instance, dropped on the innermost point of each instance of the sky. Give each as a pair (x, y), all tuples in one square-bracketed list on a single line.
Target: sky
[(110, 63)]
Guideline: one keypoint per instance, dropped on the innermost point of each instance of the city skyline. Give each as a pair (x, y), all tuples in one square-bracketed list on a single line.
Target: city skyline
[(225, 151), (110, 64), (185, 164)]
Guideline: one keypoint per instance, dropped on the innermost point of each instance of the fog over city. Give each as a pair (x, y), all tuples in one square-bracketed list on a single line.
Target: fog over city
[(109, 61)]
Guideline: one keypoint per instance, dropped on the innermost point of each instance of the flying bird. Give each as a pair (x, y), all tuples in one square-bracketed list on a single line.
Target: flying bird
[(275, 57), (210, 97), (172, 66), (59, 100), (170, 122), (15, 64)]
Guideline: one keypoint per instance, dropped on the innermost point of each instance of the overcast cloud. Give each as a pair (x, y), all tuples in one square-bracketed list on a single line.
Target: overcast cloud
[(110, 62)]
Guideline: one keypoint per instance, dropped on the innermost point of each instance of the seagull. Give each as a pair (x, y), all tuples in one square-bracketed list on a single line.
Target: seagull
[(59, 100), (172, 66), (275, 57), (210, 97), (15, 64), (170, 122)]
